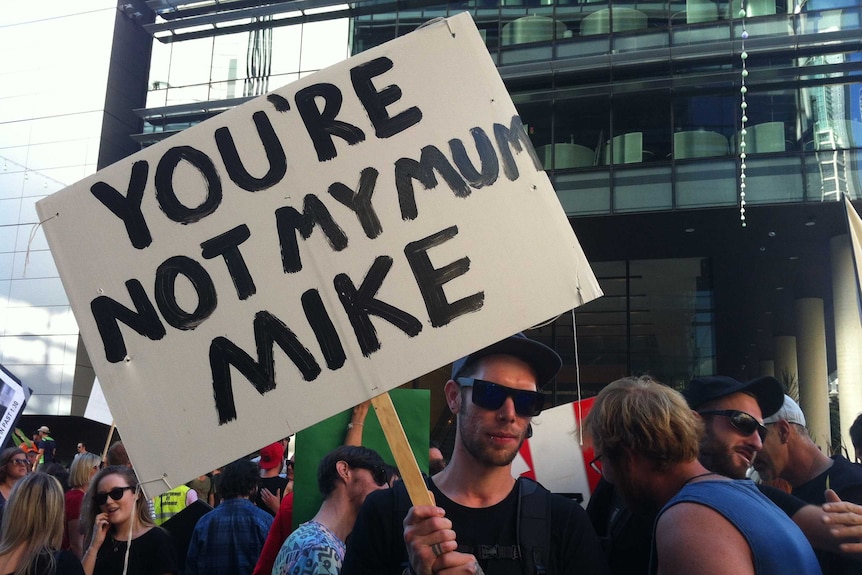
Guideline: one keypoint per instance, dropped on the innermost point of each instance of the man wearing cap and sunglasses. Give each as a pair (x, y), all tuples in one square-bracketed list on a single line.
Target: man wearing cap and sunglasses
[(485, 521), (733, 435)]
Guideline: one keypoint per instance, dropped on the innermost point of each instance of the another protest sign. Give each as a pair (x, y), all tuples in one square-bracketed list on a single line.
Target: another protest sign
[(13, 398), (311, 249), (555, 457)]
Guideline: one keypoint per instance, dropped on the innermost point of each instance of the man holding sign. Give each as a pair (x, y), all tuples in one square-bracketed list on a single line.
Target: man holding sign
[(487, 521)]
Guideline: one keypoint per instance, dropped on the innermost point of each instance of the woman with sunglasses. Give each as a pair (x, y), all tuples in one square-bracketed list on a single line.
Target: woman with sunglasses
[(33, 529), (120, 530), (13, 467)]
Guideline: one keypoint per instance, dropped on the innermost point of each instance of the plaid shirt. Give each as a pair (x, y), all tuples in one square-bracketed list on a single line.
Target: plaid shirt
[(228, 539)]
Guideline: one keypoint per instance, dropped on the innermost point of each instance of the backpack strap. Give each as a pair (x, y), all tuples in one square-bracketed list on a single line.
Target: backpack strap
[(533, 526)]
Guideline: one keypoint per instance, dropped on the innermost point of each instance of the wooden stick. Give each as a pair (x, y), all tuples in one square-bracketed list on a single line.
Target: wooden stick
[(404, 458), (108, 441)]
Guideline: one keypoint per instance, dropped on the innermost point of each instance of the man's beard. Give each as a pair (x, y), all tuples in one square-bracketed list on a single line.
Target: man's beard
[(472, 439), (718, 458)]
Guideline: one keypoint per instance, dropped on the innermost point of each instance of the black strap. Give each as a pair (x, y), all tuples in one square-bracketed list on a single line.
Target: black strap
[(534, 526)]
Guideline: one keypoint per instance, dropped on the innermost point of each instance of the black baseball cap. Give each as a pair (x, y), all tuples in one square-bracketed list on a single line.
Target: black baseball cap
[(544, 360), (766, 390)]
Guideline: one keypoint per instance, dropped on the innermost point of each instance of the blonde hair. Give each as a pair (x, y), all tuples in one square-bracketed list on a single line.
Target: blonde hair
[(644, 416), (79, 472), (89, 509), (33, 519)]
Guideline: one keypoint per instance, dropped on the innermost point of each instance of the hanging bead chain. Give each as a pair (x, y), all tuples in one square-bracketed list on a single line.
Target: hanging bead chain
[(744, 106)]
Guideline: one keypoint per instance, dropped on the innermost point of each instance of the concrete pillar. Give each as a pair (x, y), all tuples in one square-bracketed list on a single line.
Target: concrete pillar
[(767, 367), (786, 370), (848, 335), (813, 372)]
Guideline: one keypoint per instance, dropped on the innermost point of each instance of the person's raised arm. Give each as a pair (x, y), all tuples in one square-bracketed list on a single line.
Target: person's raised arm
[(357, 421)]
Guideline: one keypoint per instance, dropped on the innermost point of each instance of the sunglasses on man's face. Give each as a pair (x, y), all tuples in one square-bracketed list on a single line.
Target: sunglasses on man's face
[(744, 423), (492, 396), (116, 494)]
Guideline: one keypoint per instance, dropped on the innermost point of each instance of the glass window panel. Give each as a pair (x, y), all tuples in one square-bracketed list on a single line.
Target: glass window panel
[(373, 30), (584, 193), (815, 21), (642, 189), (706, 183), (536, 118), (582, 125), (831, 173), (584, 47), (671, 334), (703, 125), (772, 122), (633, 42), (641, 128), (773, 180), (699, 34), (190, 63), (324, 43), (160, 65), (527, 53)]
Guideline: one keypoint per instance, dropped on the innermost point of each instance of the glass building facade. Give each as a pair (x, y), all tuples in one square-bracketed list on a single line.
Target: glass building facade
[(635, 110)]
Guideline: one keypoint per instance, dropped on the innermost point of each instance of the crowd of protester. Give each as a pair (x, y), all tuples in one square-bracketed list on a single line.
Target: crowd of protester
[(676, 494)]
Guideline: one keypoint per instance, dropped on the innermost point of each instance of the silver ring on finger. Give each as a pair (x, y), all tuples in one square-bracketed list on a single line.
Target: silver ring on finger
[(438, 551)]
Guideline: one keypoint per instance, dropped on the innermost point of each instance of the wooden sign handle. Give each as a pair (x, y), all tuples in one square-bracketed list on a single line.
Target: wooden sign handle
[(400, 447), (108, 441)]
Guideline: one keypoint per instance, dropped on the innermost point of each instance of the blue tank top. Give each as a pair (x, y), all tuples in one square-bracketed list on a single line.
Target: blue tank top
[(777, 544)]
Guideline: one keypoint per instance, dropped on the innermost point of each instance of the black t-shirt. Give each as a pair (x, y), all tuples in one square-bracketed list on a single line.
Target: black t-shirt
[(152, 553), (846, 479), (376, 546), (275, 485), (843, 476), (65, 563), (626, 536)]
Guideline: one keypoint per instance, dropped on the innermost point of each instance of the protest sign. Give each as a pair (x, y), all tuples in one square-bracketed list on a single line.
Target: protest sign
[(97, 406), (13, 397), (555, 457), (311, 249)]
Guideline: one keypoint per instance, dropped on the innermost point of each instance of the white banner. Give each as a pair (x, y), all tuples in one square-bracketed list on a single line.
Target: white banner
[(13, 397), (311, 249), (97, 406), (554, 455)]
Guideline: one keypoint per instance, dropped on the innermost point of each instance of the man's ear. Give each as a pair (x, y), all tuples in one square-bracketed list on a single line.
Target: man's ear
[(452, 391), (343, 470), (783, 429)]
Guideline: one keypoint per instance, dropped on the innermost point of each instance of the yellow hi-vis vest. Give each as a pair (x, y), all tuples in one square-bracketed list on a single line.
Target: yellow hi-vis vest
[(170, 503)]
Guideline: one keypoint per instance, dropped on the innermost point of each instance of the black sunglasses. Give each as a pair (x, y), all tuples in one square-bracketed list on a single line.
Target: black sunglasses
[(377, 473), (744, 423), (116, 494), (492, 396)]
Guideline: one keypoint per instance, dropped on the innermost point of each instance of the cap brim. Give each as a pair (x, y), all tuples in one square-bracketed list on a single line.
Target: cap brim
[(768, 392), (544, 360)]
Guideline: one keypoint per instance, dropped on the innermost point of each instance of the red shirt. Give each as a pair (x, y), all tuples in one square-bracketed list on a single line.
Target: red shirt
[(282, 527)]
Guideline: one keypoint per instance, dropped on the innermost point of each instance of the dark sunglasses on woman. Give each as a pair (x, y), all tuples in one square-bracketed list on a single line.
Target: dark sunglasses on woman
[(116, 494)]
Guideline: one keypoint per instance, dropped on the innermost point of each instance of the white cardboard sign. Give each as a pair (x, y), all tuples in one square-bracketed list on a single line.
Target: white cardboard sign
[(311, 249)]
